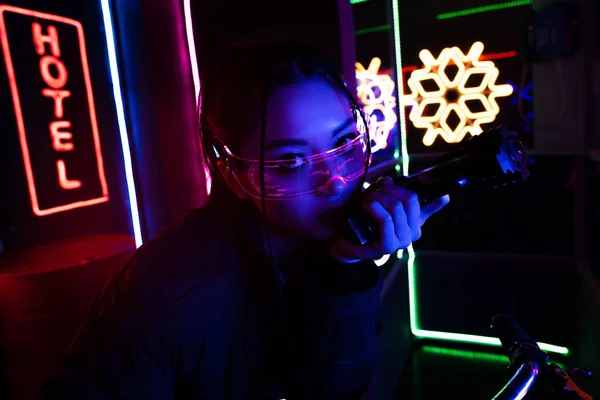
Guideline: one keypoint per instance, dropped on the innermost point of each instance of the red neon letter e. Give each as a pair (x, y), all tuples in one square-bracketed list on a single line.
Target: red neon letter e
[(58, 136)]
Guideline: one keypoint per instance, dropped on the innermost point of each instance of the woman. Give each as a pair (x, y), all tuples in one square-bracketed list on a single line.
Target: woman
[(257, 295)]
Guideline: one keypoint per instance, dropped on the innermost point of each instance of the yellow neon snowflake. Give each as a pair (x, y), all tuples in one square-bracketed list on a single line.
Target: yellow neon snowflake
[(376, 92), (453, 95)]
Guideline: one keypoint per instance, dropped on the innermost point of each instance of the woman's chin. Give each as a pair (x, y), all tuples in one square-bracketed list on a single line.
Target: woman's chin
[(321, 229)]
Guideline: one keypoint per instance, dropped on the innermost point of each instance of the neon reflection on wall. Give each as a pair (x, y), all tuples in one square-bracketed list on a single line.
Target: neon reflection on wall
[(376, 93), (45, 42), (523, 95), (433, 104)]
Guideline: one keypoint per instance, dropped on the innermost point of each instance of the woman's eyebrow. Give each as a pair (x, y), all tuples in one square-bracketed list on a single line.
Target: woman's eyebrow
[(344, 125), (273, 144)]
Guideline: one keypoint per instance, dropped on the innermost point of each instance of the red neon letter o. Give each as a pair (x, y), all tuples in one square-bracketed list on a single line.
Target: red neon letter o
[(61, 79)]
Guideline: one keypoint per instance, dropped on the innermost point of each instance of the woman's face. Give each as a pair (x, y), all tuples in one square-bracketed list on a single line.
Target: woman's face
[(306, 119)]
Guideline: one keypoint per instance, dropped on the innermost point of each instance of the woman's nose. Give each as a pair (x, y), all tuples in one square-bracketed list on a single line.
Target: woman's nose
[(336, 186)]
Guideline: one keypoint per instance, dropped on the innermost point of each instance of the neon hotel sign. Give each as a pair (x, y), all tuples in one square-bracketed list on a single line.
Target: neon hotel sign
[(54, 109)]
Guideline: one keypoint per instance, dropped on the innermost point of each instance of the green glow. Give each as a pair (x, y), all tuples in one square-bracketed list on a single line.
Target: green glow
[(474, 355), (396, 154), (357, 1), (447, 336), (412, 296), (479, 10), (400, 86), (471, 355), (398, 167), (372, 29)]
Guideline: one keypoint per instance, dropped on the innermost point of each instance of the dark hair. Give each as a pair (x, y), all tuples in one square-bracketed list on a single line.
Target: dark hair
[(235, 87)]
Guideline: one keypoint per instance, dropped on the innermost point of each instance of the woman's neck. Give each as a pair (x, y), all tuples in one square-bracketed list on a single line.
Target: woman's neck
[(284, 245)]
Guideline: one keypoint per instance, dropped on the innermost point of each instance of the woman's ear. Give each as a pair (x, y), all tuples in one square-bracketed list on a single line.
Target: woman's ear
[(231, 181)]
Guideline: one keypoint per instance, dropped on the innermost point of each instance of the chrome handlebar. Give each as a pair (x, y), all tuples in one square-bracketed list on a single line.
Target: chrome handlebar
[(531, 365)]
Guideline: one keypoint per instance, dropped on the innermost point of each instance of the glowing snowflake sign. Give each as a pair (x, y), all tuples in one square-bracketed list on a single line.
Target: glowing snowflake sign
[(453, 95), (376, 92)]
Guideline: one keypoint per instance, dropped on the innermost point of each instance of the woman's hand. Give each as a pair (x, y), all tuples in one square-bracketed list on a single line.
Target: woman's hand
[(399, 218)]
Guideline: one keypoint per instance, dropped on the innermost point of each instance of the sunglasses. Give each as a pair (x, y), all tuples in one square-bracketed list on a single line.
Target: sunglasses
[(301, 176)]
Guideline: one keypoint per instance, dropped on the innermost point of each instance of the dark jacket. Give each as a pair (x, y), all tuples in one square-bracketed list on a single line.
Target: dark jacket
[(199, 313)]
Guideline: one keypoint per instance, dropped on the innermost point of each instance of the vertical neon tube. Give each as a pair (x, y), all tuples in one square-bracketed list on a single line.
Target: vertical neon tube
[(412, 296), (189, 31), (116, 84), (400, 85)]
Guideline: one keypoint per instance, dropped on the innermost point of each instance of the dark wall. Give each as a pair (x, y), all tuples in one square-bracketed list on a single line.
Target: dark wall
[(534, 217), (313, 22)]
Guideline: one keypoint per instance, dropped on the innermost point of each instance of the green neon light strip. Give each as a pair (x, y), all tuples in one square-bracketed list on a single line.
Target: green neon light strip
[(474, 355), (399, 90), (453, 337), (357, 1), (479, 10), (466, 354), (372, 29)]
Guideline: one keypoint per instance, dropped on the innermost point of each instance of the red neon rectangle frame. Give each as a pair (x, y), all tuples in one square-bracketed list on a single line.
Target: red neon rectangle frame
[(19, 113)]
